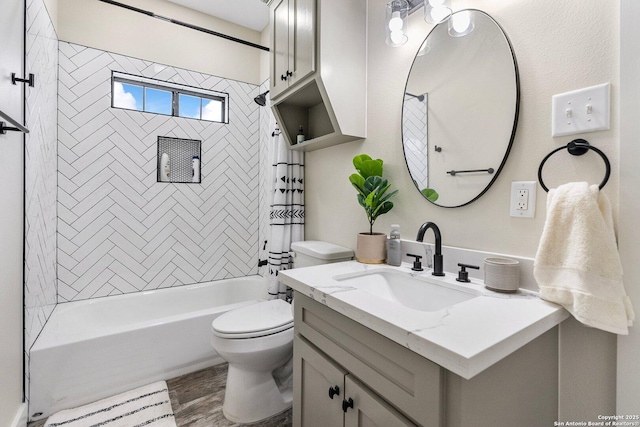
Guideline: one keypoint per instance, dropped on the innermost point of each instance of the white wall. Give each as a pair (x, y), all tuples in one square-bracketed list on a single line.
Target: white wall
[(629, 232), (560, 46), (115, 29), (11, 220)]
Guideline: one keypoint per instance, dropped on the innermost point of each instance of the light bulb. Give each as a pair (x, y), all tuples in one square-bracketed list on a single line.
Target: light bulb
[(397, 37), (437, 11), (439, 14), (461, 21), (395, 23), (461, 24)]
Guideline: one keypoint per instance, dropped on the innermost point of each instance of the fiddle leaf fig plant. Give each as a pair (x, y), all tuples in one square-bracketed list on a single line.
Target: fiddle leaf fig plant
[(372, 188)]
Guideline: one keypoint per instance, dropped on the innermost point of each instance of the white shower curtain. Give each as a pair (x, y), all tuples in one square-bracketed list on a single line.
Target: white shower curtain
[(286, 211)]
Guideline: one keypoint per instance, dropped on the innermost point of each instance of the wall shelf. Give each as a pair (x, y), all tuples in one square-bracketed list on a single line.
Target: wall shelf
[(327, 97)]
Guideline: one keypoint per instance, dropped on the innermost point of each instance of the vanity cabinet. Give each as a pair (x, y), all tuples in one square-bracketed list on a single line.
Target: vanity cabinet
[(331, 397), (390, 385), (318, 71)]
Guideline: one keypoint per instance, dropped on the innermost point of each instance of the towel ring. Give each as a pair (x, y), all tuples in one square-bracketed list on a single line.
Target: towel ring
[(577, 147)]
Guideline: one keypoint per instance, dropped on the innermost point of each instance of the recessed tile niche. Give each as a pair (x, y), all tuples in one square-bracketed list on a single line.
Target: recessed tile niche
[(179, 160)]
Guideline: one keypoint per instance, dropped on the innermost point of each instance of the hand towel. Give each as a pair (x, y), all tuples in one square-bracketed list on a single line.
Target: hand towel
[(577, 264)]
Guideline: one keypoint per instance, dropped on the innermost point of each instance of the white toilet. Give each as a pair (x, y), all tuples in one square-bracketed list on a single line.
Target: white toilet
[(257, 341)]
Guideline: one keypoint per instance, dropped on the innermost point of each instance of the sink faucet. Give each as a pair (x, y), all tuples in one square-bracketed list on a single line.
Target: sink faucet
[(437, 257)]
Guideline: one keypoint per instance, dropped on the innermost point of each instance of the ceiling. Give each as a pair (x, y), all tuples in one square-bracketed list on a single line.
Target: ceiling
[(253, 14)]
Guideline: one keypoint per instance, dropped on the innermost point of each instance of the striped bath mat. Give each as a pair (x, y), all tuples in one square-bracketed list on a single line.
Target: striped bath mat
[(145, 406)]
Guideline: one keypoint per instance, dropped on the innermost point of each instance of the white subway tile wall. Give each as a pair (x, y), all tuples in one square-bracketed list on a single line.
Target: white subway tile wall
[(119, 230)]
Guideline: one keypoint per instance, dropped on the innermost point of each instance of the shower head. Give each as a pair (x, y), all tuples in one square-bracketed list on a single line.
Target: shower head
[(261, 99)]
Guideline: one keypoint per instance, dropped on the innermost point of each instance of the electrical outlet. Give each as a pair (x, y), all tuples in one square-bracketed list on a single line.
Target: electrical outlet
[(523, 199)]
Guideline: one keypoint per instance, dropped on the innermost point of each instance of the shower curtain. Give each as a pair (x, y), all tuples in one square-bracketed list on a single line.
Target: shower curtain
[(286, 212)]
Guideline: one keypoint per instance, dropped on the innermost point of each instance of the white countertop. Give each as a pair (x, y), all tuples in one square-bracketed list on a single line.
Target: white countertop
[(466, 338)]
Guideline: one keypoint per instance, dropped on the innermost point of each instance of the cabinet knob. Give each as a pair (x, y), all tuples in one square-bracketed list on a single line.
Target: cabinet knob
[(289, 73), (283, 77), (333, 391), (346, 404)]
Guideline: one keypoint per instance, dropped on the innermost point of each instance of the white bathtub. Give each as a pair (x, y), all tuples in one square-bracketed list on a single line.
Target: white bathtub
[(92, 349)]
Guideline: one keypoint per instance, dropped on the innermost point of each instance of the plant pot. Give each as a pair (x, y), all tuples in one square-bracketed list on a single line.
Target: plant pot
[(371, 248)]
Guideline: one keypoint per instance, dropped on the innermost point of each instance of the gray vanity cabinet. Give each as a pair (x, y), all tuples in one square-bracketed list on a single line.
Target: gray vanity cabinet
[(318, 387), (389, 384), (326, 390)]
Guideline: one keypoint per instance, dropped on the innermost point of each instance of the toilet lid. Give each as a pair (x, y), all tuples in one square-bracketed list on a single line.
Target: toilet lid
[(263, 318)]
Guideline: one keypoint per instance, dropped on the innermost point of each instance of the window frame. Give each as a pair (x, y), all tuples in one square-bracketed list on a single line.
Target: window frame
[(176, 90)]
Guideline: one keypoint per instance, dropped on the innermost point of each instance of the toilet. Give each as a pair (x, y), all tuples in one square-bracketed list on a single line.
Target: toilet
[(257, 341)]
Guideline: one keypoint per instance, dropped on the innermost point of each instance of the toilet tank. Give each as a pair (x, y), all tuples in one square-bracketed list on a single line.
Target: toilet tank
[(314, 252)]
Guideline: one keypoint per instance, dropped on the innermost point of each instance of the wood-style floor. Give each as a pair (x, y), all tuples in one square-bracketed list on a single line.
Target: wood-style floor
[(197, 399)]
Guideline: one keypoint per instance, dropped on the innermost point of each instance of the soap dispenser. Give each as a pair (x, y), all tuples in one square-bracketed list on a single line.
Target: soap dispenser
[(394, 247)]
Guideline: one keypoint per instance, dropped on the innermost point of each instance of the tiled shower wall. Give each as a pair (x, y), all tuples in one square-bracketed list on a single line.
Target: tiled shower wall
[(414, 134), (40, 173), (267, 149), (119, 230)]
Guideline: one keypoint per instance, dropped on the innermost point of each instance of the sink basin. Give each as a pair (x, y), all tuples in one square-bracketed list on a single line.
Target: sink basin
[(417, 292)]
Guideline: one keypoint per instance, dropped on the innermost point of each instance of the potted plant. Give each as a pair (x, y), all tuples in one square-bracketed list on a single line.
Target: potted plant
[(372, 190)]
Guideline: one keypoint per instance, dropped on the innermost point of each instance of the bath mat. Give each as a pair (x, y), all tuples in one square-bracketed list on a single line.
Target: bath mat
[(145, 406)]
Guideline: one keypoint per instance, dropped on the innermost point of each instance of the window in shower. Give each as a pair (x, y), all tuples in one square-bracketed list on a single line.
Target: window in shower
[(138, 93)]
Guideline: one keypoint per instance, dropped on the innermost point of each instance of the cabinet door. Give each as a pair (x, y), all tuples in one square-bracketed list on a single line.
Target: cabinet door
[(313, 376), (302, 39), (279, 47), (369, 409)]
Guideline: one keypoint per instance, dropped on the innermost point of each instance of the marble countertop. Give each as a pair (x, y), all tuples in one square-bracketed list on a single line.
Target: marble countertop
[(465, 338)]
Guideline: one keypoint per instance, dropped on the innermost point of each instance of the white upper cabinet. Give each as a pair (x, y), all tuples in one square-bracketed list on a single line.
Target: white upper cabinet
[(318, 71)]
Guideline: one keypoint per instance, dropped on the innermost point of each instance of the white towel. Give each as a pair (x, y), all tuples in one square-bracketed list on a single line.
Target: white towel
[(577, 264)]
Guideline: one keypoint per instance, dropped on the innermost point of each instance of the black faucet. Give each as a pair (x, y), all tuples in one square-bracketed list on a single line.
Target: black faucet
[(437, 257)]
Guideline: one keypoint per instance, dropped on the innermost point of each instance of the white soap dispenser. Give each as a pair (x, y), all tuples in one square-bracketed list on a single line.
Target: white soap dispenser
[(165, 168), (195, 169), (394, 246)]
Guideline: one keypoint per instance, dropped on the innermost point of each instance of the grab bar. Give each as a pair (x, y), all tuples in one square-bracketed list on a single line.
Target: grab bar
[(489, 171), (18, 127)]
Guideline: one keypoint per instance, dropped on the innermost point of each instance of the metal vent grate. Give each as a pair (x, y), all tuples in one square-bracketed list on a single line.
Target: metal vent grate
[(181, 153)]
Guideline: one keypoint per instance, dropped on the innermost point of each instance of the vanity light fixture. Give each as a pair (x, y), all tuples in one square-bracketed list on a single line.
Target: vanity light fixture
[(460, 24), (437, 11), (396, 22)]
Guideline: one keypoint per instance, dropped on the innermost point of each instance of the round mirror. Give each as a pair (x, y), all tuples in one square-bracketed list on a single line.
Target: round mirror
[(460, 109)]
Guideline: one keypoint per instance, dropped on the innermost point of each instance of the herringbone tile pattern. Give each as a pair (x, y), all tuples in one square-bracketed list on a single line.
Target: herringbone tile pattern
[(40, 174), (414, 135), (267, 146), (119, 230)]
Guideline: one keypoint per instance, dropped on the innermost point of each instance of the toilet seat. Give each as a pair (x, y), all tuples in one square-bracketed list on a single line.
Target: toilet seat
[(255, 320)]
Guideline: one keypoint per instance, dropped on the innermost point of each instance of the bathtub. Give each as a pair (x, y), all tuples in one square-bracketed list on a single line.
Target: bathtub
[(92, 349)]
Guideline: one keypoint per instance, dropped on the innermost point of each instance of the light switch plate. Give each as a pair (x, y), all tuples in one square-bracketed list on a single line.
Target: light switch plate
[(523, 199), (582, 110)]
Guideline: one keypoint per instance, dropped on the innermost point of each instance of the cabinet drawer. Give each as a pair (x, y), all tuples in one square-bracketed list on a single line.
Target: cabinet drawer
[(411, 383)]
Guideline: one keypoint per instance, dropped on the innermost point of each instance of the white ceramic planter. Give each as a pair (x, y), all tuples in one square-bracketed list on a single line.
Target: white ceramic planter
[(371, 248)]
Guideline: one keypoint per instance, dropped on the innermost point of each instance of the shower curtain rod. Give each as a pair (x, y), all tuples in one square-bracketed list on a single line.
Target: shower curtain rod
[(184, 24)]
